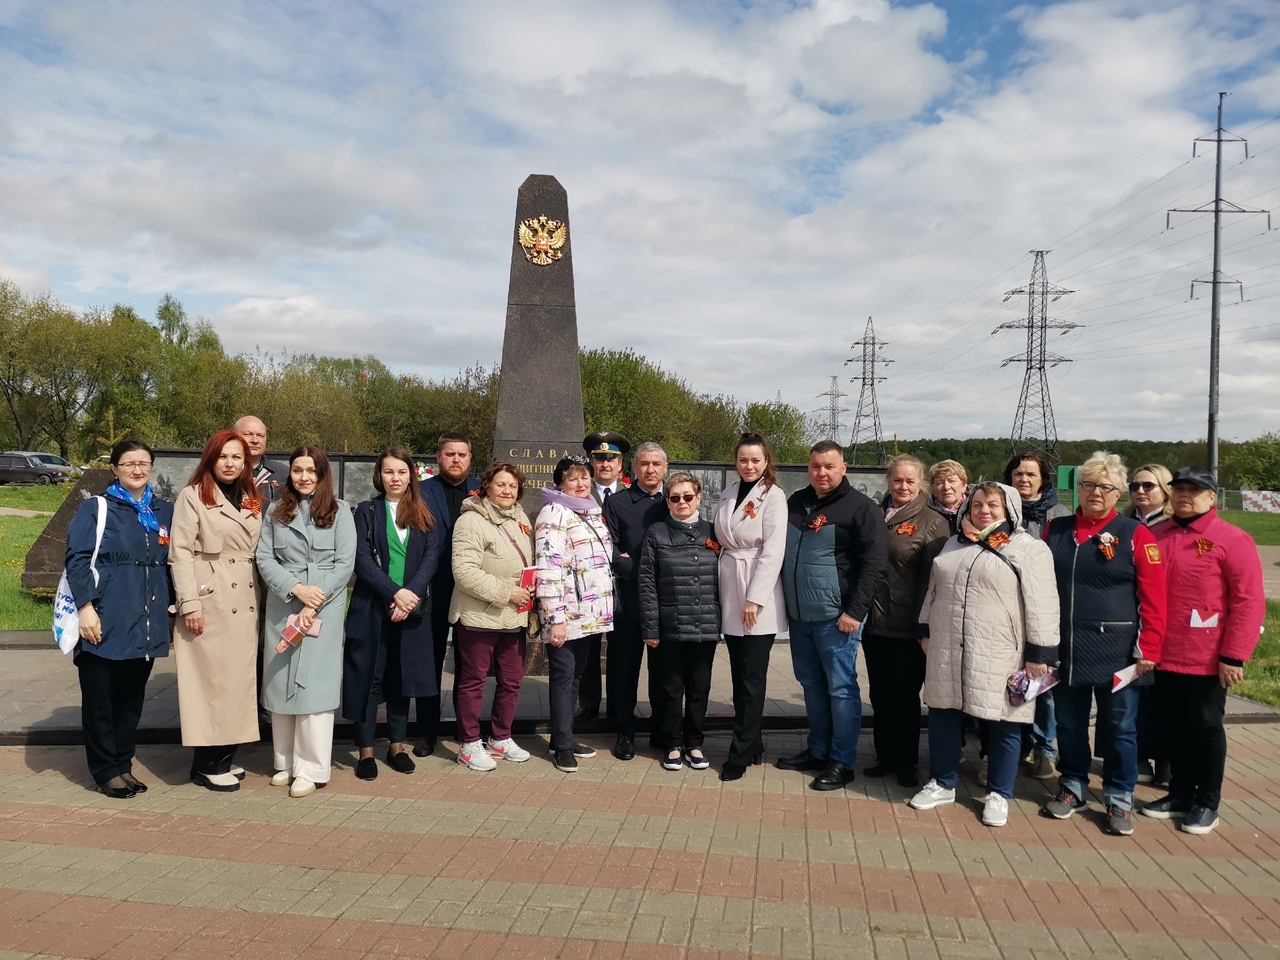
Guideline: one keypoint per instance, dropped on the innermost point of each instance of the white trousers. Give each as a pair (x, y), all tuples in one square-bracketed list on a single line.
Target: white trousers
[(303, 744)]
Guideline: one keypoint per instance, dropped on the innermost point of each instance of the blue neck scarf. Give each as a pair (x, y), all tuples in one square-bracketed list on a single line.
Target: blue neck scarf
[(143, 506)]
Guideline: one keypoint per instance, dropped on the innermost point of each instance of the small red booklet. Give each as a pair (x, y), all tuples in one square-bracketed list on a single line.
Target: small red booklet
[(528, 578)]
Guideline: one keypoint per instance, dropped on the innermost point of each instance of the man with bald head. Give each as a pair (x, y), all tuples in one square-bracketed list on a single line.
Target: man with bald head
[(268, 475)]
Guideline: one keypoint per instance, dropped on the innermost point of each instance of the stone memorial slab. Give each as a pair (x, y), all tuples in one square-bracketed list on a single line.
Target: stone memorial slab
[(43, 566)]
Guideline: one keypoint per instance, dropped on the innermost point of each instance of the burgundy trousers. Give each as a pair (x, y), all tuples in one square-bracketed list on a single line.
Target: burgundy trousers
[(476, 650)]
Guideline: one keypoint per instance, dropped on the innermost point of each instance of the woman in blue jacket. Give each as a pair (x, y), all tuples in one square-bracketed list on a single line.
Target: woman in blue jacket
[(389, 655), (123, 595)]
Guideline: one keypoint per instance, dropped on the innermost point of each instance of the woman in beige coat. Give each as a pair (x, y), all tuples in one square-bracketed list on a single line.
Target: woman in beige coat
[(216, 524), (492, 547), (991, 609), (751, 528)]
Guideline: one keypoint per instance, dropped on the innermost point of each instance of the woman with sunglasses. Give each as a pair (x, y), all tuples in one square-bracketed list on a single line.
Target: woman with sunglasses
[(120, 582), (751, 525), (573, 552), (680, 621), (1151, 503)]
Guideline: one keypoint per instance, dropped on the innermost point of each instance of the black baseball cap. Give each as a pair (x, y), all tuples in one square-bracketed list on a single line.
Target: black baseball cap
[(1197, 476)]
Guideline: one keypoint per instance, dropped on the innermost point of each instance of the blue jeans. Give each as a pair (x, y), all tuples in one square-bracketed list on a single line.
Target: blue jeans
[(946, 738), (1117, 722), (825, 662), (1045, 729)]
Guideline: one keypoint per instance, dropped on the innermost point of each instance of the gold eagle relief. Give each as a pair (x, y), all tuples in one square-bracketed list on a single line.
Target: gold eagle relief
[(543, 239)]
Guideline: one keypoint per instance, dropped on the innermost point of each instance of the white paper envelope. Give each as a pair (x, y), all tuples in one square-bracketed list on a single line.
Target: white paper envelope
[(1198, 619)]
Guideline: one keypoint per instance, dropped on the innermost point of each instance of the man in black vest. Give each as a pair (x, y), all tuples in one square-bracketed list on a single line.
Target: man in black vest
[(628, 514), (268, 475), (606, 450), (445, 494)]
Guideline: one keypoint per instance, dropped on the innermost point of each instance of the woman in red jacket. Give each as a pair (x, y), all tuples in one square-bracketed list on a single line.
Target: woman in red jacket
[(1215, 614)]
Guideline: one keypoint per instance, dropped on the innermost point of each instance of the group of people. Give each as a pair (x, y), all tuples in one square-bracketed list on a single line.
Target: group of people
[(969, 598)]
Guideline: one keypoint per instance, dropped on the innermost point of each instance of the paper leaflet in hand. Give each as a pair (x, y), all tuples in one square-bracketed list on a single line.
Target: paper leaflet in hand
[(528, 577), (1122, 678), (1022, 687)]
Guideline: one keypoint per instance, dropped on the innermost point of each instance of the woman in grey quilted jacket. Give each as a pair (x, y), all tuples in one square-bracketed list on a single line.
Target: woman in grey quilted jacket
[(991, 609)]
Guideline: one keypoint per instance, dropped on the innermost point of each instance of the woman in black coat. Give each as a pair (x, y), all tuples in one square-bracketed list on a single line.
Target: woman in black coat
[(123, 591), (389, 654), (680, 620)]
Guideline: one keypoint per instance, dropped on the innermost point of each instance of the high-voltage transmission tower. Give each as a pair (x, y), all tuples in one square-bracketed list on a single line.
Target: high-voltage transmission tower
[(829, 428), (1216, 280), (867, 440), (1033, 427)]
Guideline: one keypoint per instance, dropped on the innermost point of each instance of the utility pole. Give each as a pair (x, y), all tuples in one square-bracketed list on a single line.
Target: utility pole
[(1216, 281), (867, 439), (830, 427), (1033, 426)]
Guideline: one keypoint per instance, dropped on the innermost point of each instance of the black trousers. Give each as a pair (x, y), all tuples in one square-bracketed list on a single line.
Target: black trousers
[(1153, 744), (895, 670), (682, 677), (386, 687), (626, 657), (212, 759), (749, 667), (565, 665), (1190, 709), (111, 696), (591, 689), (429, 707)]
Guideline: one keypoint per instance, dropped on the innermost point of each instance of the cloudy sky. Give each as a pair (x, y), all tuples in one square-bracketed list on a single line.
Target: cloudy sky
[(748, 182)]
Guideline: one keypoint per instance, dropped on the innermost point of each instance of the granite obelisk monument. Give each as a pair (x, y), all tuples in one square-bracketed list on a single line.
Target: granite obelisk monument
[(540, 393)]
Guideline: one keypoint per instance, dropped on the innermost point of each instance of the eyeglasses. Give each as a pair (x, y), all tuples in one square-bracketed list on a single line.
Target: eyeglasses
[(686, 497), (1146, 486), (135, 465), (1088, 486)]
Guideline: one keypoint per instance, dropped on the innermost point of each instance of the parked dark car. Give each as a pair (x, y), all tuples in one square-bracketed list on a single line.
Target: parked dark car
[(23, 467)]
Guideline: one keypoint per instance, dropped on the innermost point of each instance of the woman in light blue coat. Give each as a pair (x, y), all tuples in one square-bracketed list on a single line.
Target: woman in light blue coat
[(306, 556)]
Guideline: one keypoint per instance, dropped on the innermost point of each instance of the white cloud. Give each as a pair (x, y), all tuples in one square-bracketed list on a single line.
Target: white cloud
[(746, 186)]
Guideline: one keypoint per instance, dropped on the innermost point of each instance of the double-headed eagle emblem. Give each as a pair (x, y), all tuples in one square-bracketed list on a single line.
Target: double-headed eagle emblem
[(542, 239)]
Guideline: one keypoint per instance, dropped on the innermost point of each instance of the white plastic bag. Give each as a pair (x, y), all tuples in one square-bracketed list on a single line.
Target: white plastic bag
[(66, 615)]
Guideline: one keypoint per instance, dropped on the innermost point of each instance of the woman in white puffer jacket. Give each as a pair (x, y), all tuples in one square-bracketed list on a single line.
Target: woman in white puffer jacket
[(991, 609)]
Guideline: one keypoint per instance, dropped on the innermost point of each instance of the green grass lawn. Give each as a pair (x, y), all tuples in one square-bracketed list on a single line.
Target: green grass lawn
[(18, 611), (34, 497), (1263, 527), (1262, 673)]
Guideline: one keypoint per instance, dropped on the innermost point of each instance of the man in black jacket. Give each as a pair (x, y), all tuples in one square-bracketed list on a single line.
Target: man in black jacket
[(628, 514), (836, 561)]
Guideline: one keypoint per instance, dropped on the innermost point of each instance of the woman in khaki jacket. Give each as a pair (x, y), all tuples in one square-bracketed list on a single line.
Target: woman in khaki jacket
[(492, 547), (216, 524), (991, 609)]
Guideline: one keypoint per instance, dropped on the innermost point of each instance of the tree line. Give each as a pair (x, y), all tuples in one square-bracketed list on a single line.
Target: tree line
[(79, 380)]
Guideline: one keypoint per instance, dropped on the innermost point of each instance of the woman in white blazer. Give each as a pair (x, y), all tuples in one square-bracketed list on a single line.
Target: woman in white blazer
[(751, 528)]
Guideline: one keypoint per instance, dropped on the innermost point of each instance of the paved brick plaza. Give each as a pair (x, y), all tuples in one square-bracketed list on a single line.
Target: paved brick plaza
[(617, 860)]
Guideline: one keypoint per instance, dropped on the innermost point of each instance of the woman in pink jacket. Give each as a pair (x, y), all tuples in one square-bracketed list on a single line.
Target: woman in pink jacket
[(1215, 614)]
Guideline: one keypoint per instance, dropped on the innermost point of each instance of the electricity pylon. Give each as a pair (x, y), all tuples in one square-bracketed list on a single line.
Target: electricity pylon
[(867, 440), (1218, 208), (1033, 426)]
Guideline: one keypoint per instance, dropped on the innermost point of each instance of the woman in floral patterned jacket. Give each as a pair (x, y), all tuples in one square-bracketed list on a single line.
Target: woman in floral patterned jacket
[(575, 594)]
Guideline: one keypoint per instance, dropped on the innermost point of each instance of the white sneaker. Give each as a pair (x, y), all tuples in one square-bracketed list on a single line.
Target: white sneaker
[(508, 749), (474, 756), (302, 787), (996, 811), (932, 795), (281, 778)]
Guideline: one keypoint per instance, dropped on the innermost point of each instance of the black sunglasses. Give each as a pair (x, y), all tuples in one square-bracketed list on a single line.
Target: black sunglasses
[(1146, 486), (686, 497)]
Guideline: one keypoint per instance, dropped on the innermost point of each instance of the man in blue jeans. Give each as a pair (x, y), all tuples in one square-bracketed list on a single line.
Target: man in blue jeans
[(837, 559)]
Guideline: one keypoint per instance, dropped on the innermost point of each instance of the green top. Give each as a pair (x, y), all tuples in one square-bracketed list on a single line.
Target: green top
[(396, 547)]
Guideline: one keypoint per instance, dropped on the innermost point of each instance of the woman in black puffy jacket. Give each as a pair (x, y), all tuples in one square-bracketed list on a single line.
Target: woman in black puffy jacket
[(680, 620)]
